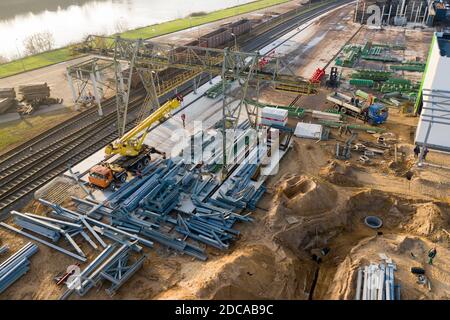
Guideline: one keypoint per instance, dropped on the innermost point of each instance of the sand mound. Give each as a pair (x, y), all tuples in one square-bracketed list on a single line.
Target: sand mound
[(411, 244), (297, 198), (429, 221), (306, 195), (253, 272), (339, 174)]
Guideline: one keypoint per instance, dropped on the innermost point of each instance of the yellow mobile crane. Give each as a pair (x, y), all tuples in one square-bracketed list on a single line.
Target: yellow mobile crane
[(134, 154)]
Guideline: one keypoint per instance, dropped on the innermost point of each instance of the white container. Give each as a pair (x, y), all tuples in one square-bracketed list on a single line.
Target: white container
[(308, 130), (273, 116)]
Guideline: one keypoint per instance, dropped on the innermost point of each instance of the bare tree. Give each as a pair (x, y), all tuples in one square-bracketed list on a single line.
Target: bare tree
[(120, 26), (3, 59), (39, 42)]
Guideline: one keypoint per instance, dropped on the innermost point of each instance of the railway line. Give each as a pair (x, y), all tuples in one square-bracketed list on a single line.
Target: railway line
[(23, 171)]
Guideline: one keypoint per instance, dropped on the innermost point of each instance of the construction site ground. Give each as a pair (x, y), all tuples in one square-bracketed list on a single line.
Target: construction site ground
[(313, 202)]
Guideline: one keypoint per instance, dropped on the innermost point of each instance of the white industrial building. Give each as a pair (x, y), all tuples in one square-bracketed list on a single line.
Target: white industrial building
[(433, 129)]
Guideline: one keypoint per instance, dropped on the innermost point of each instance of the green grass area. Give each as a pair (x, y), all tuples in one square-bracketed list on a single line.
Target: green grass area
[(184, 23), (35, 61), (64, 54), (13, 134)]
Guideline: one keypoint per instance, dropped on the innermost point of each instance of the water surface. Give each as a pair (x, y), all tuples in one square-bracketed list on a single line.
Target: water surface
[(71, 20)]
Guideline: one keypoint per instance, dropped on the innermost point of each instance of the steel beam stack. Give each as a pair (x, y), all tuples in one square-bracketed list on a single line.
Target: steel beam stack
[(4, 249), (112, 264), (16, 265)]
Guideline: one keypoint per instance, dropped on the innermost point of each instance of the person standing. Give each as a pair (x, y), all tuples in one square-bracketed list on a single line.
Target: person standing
[(183, 118), (416, 151), (431, 255), (425, 152)]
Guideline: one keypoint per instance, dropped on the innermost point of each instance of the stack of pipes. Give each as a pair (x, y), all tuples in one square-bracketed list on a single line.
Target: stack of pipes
[(376, 282), (16, 266)]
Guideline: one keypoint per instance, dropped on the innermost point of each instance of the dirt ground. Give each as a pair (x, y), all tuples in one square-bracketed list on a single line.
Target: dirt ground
[(313, 202)]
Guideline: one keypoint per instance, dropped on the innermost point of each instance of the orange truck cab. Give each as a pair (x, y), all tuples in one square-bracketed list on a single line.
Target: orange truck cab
[(103, 176), (100, 176)]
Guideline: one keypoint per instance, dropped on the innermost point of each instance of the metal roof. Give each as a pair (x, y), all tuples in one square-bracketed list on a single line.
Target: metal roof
[(434, 125)]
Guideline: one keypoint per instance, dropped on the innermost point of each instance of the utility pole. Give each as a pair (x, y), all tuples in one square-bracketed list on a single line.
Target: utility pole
[(235, 42)]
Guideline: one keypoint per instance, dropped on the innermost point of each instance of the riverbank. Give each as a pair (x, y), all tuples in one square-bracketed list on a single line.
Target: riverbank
[(64, 54)]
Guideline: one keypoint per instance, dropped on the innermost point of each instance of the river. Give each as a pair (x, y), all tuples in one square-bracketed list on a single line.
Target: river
[(70, 21)]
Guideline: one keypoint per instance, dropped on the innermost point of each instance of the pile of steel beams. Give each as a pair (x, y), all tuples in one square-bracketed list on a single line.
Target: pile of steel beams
[(241, 193), (376, 282), (16, 265), (55, 229), (113, 264), (179, 204), (4, 249)]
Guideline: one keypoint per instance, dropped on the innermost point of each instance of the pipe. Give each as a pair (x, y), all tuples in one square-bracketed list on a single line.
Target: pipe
[(358, 284)]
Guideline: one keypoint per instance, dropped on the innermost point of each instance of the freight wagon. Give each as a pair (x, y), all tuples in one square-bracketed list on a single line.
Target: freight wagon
[(216, 38)]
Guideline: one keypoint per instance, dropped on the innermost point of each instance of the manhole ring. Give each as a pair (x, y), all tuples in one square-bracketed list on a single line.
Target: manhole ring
[(373, 222)]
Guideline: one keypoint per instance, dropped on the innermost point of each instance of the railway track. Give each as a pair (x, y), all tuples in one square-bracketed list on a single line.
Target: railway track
[(44, 166), (64, 128), (23, 171)]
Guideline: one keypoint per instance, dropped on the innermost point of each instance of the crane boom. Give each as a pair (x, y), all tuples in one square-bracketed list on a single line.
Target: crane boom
[(130, 144)]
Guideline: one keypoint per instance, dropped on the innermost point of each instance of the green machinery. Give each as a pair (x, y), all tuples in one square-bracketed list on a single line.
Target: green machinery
[(361, 82), (374, 75), (409, 67), (350, 55)]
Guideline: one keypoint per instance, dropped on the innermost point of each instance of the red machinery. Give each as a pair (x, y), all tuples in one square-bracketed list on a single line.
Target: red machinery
[(265, 60), (317, 76)]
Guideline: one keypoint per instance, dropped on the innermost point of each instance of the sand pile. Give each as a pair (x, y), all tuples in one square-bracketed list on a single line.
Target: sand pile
[(430, 220), (306, 195), (339, 174), (251, 272), (301, 209)]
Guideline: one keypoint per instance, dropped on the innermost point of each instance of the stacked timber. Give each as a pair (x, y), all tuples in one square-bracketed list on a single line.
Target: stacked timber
[(7, 93), (7, 99), (34, 92)]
